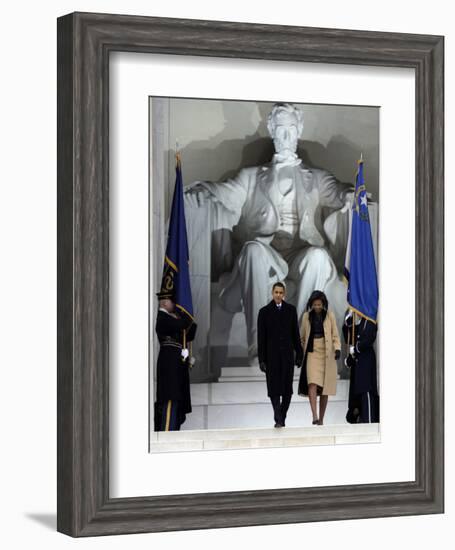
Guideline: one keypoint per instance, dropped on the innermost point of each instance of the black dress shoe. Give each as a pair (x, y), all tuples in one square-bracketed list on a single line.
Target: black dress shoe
[(315, 422), (278, 425)]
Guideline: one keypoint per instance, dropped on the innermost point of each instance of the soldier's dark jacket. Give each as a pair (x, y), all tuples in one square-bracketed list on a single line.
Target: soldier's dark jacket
[(173, 382)]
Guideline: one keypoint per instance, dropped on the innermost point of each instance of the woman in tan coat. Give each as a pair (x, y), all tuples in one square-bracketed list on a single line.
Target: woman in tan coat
[(322, 348)]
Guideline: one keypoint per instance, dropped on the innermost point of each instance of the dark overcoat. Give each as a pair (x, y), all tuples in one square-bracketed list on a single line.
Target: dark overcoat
[(279, 346), (173, 380), (363, 370)]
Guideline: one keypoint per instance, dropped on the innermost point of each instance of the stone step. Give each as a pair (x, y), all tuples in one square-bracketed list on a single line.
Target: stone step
[(237, 374), (219, 439), (248, 392), (247, 374), (260, 415)]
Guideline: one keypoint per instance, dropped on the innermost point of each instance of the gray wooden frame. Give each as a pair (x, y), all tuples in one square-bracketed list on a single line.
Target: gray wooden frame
[(84, 44)]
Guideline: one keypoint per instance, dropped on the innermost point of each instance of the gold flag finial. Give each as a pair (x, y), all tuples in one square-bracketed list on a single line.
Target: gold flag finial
[(177, 153)]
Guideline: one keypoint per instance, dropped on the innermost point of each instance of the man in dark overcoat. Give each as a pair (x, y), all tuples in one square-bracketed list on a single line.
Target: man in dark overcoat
[(363, 404), (279, 349), (173, 399)]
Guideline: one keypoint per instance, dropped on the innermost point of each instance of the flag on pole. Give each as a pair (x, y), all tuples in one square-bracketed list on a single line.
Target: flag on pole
[(176, 273), (360, 265)]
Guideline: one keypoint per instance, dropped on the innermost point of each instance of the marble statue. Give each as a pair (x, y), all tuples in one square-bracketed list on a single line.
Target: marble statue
[(274, 216)]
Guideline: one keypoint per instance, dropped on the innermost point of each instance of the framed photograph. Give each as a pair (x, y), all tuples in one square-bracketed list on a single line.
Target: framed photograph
[(223, 144), (127, 89)]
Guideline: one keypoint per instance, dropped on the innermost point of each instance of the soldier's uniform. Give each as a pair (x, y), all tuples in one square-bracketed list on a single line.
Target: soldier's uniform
[(363, 405), (173, 399)]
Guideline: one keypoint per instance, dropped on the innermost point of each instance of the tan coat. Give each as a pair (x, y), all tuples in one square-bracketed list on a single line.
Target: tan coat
[(332, 343)]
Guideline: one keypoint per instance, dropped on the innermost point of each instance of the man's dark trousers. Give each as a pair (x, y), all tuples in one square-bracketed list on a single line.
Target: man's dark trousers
[(280, 407)]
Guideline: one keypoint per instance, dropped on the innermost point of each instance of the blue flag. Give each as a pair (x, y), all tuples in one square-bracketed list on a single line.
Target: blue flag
[(360, 266), (176, 272)]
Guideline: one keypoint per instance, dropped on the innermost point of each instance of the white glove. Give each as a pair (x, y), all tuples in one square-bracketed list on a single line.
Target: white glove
[(352, 350), (185, 353), (348, 200)]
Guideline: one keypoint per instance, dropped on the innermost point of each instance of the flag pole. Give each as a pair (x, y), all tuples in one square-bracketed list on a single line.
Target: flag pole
[(178, 165), (177, 153), (184, 344), (353, 328)]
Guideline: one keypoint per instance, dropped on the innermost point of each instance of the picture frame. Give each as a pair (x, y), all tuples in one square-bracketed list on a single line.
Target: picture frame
[(84, 506)]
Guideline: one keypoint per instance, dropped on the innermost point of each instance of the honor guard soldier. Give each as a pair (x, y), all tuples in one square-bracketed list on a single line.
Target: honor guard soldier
[(173, 399), (360, 335)]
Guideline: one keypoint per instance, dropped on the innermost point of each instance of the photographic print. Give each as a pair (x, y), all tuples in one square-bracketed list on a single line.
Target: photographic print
[(263, 267)]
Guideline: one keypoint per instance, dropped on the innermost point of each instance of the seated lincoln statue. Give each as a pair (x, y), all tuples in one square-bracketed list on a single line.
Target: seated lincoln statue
[(275, 216)]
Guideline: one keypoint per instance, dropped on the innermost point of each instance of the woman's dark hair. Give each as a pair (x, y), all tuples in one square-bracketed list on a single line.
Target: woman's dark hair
[(318, 295)]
